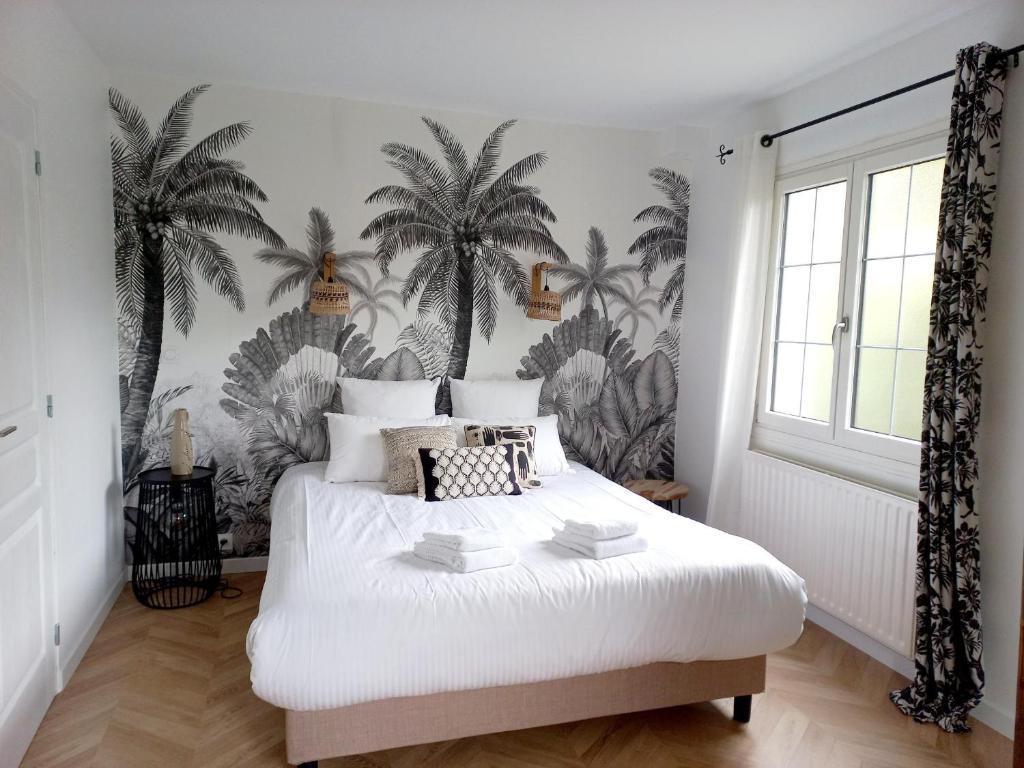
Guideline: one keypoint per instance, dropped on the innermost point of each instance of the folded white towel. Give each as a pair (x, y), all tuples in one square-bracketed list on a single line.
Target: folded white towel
[(599, 530), (466, 562), (599, 550), (466, 539)]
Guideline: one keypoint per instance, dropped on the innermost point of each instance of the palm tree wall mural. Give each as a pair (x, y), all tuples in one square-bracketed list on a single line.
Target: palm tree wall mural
[(637, 305), (665, 242), (465, 221), (469, 227), (168, 200), (595, 279), (302, 268)]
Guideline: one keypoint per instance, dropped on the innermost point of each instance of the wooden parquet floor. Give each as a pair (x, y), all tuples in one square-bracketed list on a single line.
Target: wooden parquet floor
[(170, 689)]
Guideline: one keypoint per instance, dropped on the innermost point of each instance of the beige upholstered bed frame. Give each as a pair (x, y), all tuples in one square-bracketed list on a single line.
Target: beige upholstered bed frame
[(399, 722)]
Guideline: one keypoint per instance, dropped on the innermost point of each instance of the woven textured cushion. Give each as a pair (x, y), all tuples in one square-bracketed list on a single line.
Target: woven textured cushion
[(400, 446), (521, 438), (462, 473)]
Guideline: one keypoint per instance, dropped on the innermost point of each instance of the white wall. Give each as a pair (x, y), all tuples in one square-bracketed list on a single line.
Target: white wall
[(43, 54), (1002, 436)]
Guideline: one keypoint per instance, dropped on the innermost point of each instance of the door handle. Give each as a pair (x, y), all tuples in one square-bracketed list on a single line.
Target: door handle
[(7, 431)]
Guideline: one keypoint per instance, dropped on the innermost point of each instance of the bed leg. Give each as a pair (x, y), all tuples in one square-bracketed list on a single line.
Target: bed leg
[(741, 708)]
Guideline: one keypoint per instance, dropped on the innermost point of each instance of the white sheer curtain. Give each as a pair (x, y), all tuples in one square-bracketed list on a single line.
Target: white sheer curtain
[(748, 268)]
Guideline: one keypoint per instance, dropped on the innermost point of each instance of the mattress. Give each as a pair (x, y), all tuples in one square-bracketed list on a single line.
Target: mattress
[(349, 615)]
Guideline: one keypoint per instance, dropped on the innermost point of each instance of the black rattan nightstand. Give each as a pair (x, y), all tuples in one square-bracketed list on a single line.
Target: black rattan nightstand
[(175, 558)]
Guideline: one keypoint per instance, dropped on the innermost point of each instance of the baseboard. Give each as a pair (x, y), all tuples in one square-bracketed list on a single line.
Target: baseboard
[(244, 564), (995, 718), (69, 662), (861, 642)]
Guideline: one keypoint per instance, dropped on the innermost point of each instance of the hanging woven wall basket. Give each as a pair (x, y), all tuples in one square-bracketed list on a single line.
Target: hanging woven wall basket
[(328, 296), (544, 303)]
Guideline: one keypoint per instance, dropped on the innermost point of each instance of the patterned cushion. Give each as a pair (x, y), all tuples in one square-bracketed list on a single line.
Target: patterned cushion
[(400, 446), (521, 438), (462, 473)]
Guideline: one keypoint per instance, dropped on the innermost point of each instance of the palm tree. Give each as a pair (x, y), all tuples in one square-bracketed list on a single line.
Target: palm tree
[(167, 201), (596, 279), (303, 268), (637, 306), (465, 220), (665, 243), (375, 299)]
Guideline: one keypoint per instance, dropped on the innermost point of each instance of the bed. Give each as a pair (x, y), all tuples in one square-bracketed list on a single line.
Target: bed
[(366, 647)]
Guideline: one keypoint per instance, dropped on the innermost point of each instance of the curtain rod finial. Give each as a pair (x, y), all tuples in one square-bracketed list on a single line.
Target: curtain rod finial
[(767, 140)]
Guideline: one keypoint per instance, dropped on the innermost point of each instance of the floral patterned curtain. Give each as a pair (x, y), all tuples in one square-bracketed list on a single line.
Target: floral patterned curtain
[(949, 678)]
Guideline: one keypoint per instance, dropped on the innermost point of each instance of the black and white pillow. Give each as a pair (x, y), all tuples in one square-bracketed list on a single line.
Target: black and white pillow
[(521, 438), (463, 473)]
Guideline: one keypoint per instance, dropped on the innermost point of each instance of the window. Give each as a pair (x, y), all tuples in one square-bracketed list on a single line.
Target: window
[(842, 368)]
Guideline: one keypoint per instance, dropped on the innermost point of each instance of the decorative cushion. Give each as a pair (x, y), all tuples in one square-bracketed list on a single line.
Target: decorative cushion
[(496, 401), (462, 473), (388, 399), (519, 437), (400, 447), (357, 449), (547, 443)]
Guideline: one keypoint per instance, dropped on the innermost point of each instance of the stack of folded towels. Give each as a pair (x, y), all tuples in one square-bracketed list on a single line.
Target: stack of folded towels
[(601, 538), (466, 549)]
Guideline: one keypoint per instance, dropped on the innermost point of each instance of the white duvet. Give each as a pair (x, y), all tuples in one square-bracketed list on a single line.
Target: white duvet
[(349, 615)]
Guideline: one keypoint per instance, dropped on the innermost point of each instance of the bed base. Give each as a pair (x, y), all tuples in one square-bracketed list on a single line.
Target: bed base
[(400, 722)]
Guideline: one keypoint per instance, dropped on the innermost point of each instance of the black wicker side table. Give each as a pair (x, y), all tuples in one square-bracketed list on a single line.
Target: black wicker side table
[(175, 558)]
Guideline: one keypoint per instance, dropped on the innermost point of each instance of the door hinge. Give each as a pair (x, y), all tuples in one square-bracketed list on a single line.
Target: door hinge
[(39, 163), (56, 634), (49, 406)]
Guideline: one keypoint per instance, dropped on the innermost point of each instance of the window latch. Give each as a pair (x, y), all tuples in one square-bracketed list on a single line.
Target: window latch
[(842, 326)]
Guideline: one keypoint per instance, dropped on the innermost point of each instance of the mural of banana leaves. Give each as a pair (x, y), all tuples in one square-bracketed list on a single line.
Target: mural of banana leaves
[(616, 414), (282, 381)]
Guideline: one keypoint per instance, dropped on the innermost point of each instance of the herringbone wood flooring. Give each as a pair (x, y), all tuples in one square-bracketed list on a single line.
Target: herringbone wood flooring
[(171, 689)]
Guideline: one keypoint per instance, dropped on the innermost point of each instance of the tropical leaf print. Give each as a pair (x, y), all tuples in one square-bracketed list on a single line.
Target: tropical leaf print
[(282, 380), (616, 414), (949, 678)]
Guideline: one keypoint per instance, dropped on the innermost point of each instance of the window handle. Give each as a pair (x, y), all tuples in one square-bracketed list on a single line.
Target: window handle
[(842, 326)]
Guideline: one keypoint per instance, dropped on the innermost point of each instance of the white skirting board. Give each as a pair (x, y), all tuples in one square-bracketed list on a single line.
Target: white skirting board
[(69, 660)]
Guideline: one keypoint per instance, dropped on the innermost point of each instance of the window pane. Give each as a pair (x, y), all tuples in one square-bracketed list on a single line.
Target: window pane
[(793, 303), (873, 399), (799, 227), (887, 213), (829, 216), (909, 395), (822, 302), (881, 304), (789, 363), (918, 272), (817, 390), (923, 219)]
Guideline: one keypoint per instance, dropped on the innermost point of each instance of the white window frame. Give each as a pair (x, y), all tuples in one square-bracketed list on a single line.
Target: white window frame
[(884, 461)]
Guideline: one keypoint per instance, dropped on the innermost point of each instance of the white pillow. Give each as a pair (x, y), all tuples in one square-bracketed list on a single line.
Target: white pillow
[(357, 446), (491, 399), (547, 446), (390, 399)]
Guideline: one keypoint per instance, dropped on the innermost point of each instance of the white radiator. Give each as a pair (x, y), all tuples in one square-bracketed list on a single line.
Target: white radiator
[(853, 545)]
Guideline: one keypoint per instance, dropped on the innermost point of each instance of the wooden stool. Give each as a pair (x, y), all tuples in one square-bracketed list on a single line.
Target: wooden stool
[(661, 492)]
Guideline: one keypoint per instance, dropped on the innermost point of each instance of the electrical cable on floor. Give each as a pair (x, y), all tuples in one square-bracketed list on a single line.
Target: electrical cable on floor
[(227, 591)]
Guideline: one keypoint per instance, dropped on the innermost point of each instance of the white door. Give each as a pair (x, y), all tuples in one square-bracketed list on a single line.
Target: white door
[(27, 657)]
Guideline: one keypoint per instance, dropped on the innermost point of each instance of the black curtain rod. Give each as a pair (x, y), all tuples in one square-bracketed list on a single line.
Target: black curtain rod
[(769, 138)]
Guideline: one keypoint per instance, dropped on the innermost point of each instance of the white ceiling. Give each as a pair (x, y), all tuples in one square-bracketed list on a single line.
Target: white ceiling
[(639, 63)]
